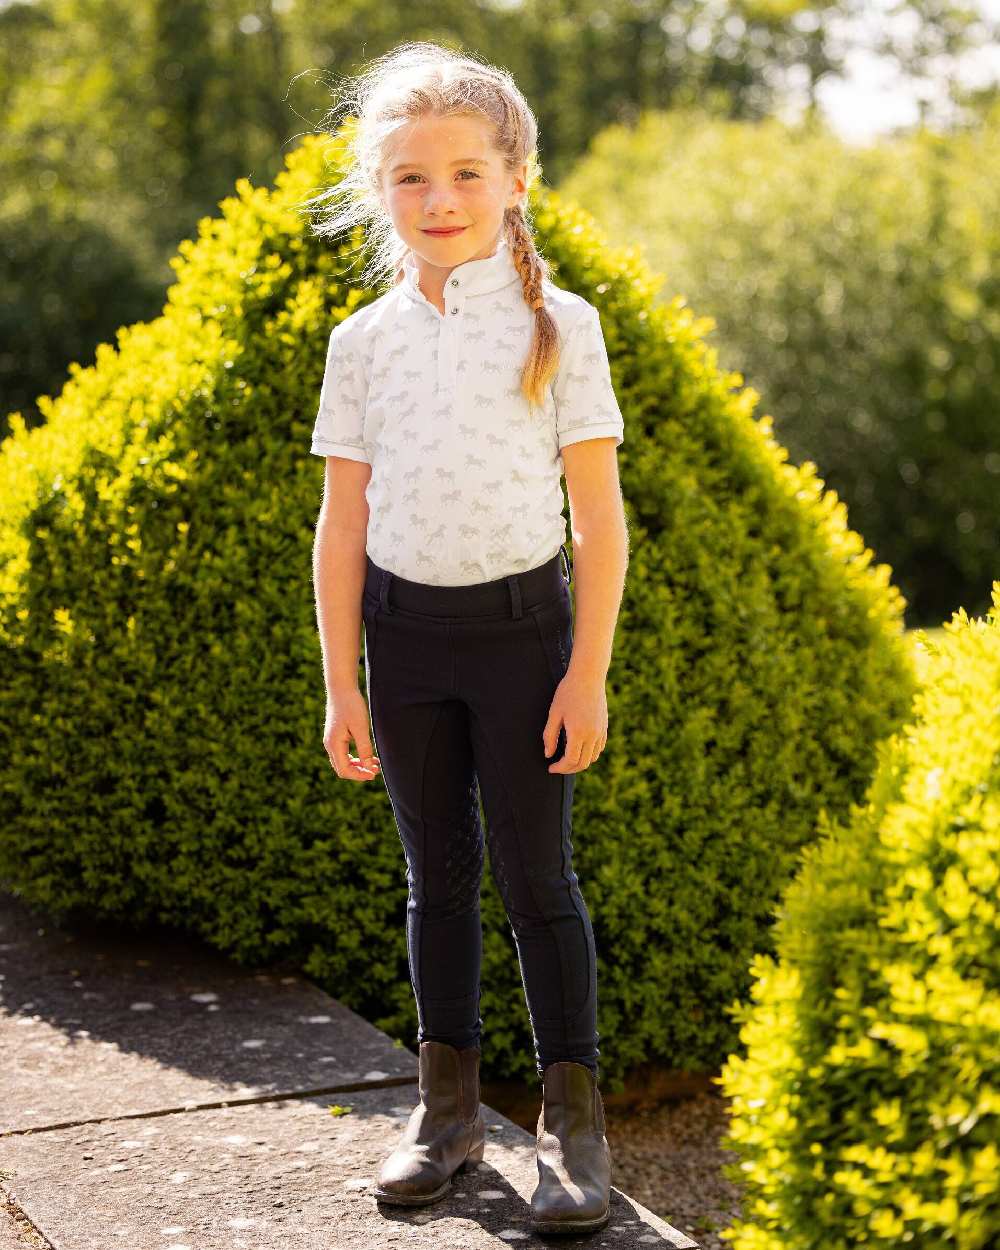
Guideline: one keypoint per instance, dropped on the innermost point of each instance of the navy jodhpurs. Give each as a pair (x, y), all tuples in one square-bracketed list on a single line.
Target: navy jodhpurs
[(460, 680)]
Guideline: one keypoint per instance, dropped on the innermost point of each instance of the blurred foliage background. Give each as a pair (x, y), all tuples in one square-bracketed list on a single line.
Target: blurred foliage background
[(858, 291), (855, 289)]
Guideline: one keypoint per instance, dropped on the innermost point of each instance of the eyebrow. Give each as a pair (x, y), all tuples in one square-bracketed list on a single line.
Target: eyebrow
[(462, 160)]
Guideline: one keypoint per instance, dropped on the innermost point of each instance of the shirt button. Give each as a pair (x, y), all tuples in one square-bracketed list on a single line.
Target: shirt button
[(454, 282), (454, 310)]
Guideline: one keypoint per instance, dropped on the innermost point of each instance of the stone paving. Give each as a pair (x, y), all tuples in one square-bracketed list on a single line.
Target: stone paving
[(156, 1095)]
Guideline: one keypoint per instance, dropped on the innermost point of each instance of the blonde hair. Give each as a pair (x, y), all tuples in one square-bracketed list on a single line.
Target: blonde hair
[(409, 82)]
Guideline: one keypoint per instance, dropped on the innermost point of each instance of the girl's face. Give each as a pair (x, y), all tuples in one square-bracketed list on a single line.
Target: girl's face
[(444, 173)]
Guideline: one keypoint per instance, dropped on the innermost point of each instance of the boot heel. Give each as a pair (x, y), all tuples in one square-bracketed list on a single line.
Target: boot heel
[(475, 1155)]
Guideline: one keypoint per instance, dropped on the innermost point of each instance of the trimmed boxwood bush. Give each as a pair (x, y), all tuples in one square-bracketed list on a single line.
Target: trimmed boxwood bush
[(866, 1108), (161, 707)]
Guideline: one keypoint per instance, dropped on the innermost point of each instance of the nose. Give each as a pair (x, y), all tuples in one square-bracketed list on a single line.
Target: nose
[(438, 200)]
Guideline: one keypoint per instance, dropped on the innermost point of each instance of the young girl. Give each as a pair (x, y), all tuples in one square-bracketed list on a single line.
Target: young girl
[(447, 410)]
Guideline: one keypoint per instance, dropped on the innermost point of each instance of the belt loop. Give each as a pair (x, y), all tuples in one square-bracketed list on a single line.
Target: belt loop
[(383, 590), (514, 585), (562, 548)]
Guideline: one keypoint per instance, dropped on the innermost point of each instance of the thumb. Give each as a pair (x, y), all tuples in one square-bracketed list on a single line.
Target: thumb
[(363, 741)]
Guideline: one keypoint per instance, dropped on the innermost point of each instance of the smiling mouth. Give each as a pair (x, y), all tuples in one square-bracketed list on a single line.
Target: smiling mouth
[(444, 229)]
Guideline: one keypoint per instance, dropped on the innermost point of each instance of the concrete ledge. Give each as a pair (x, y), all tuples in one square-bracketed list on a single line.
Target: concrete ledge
[(115, 1056), (94, 1026)]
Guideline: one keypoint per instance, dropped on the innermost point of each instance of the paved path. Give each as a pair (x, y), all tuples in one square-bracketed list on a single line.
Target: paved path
[(158, 1097)]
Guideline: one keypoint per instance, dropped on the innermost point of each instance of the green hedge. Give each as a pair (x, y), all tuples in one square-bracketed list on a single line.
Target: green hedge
[(866, 1105), (161, 707)]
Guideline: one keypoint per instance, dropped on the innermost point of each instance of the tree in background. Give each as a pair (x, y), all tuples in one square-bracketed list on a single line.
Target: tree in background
[(124, 123), (857, 290)]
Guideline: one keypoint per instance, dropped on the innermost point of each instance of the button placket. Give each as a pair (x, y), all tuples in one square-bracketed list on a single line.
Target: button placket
[(448, 356)]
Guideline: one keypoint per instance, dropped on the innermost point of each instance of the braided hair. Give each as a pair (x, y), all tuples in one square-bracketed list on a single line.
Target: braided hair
[(412, 81)]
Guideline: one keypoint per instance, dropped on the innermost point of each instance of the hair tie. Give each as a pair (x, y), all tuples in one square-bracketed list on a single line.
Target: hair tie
[(538, 303)]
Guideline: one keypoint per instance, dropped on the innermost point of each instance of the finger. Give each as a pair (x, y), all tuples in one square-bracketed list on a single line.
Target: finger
[(590, 753), (352, 767), (339, 759), (366, 760), (362, 740), (571, 757), (550, 735)]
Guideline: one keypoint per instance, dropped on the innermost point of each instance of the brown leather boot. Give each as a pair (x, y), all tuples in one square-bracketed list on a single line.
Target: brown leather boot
[(445, 1131), (573, 1156)]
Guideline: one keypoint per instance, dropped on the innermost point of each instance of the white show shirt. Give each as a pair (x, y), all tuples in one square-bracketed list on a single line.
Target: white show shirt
[(465, 484)]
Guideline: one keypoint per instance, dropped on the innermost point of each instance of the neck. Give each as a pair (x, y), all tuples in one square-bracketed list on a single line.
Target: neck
[(432, 278)]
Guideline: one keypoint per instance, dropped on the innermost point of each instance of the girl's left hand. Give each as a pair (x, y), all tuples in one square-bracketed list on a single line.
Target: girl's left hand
[(580, 705)]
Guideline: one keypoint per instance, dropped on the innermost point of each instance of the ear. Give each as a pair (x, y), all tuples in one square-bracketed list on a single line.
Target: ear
[(519, 185)]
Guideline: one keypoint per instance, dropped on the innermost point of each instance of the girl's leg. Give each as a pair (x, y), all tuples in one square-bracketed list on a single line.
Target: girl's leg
[(507, 672), (421, 735)]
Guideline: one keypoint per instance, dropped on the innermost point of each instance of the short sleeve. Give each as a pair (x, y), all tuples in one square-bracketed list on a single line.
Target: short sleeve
[(339, 428), (586, 404)]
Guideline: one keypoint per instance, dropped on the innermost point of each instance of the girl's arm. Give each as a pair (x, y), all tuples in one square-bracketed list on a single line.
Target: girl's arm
[(339, 569)]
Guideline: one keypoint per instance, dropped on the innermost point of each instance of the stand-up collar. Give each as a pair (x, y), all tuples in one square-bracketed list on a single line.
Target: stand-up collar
[(472, 277)]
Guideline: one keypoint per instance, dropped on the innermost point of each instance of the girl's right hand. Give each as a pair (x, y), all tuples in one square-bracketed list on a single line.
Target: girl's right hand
[(347, 719)]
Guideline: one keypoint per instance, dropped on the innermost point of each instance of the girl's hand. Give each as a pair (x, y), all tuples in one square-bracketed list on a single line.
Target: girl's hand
[(347, 719), (580, 704)]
